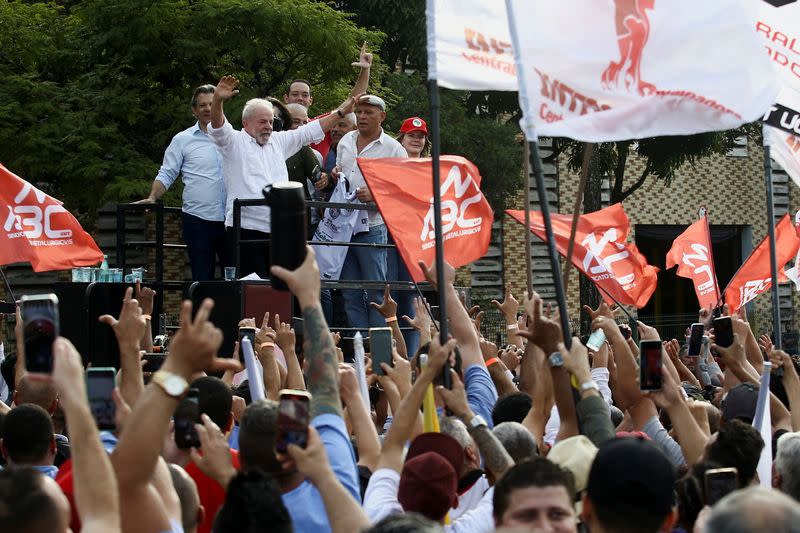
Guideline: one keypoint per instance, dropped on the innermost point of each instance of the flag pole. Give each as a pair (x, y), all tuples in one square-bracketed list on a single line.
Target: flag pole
[(8, 285), (528, 127), (703, 212), (773, 261), (433, 95), (555, 265), (528, 260), (576, 210)]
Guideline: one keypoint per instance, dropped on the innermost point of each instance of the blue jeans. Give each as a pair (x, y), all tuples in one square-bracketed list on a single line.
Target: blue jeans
[(205, 243), (364, 264), (396, 271)]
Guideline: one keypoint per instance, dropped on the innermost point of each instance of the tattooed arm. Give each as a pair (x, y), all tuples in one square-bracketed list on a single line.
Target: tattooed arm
[(318, 346), (495, 456)]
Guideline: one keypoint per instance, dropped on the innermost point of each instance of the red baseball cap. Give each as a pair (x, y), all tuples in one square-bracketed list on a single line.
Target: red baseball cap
[(414, 124)]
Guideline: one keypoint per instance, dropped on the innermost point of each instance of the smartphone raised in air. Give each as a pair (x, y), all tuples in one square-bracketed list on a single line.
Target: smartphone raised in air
[(40, 329), (696, 339), (100, 383), (723, 331), (380, 346), (250, 333), (187, 414), (719, 482), (293, 419), (650, 361), (596, 340)]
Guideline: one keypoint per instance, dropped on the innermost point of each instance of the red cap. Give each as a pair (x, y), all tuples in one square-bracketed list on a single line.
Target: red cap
[(414, 124), (428, 485)]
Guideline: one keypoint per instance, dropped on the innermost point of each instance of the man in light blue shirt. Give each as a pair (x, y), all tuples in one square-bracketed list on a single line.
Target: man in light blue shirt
[(192, 155)]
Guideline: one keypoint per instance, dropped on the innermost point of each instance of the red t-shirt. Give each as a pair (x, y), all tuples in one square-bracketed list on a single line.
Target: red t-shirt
[(325, 144), (212, 496)]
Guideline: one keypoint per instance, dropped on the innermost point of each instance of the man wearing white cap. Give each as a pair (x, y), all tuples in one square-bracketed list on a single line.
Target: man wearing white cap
[(364, 263)]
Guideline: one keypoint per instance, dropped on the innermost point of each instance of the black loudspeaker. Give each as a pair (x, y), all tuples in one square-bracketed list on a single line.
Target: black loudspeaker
[(81, 304), (234, 300)]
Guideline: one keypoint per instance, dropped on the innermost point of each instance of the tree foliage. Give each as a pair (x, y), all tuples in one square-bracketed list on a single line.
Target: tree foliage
[(93, 90)]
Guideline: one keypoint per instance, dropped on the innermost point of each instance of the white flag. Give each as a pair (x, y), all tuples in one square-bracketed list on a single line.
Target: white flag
[(762, 422), (469, 46), (608, 70), (778, 27)]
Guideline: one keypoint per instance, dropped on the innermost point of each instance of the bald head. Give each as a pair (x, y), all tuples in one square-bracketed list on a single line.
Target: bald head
[(754, 509), (38, 393)]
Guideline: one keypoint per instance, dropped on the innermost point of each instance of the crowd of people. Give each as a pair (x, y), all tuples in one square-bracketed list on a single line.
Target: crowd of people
[(532, 436)]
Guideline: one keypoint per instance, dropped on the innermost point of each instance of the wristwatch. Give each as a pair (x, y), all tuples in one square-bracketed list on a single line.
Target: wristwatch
[(173, 384), (339, 112), (556, 360), (589, 385), (477, 421)]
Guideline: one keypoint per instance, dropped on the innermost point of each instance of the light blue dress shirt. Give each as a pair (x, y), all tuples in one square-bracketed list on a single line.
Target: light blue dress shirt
[(192, 154)]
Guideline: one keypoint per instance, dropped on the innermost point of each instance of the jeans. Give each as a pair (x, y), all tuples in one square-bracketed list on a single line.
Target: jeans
[(364, 264), (396, 271), (205, 243), (254, 256)]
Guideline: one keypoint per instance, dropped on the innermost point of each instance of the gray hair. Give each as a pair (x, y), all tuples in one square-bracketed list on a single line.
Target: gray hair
[(787, 464), (203, 89), (351, 118), (453, 427), (517, 440), (754, 509), (254, 104), (297, 107)]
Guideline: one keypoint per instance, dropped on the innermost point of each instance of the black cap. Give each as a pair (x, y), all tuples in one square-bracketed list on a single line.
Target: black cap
[(631, 472), (740, 402)]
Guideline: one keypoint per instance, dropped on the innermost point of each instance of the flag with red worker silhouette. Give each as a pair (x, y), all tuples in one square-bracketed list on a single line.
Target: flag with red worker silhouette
[(602, 252), (754, 277), (403, 190), (37, 229), (693, 255)]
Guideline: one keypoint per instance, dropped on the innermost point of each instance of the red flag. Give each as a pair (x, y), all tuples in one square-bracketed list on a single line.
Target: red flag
[(691, 251), (602, 253), (403, 190), (39, 230), (753, 277)]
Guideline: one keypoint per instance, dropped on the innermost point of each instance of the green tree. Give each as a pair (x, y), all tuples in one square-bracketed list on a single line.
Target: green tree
[(94, 90)]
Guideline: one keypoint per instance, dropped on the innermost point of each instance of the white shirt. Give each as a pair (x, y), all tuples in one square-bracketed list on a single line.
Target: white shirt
[(347, 153), (249, 167)]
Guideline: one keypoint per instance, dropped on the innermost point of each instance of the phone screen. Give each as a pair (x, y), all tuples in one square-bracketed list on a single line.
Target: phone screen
[(100, 383), (380, 342), (696, 339), (650, 365), (293, 419), (596, 340), (187, 414), (723, 331), (40, 329), (719, 483), (250, 333)]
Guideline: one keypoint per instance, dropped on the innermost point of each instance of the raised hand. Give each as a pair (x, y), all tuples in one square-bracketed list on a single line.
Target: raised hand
[(348, 382), (508, 307), (364, 58), (422, 320), (430, 273), (131, 325), (227, 88), (215, 461), (145, 296), (68, 375), (455, 398), (542, 331), (284, 335), (511, 357), (647, 333), (387, 308), (265, 333), (766, 344), (602, 310)]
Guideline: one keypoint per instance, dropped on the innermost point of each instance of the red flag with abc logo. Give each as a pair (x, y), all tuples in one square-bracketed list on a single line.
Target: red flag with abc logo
[(691, 251), (602, 252), (403, 190), (37, 229), (754, 276)]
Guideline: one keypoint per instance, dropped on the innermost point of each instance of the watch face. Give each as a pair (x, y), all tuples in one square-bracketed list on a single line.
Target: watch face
[(174, 385), (556, 359)]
